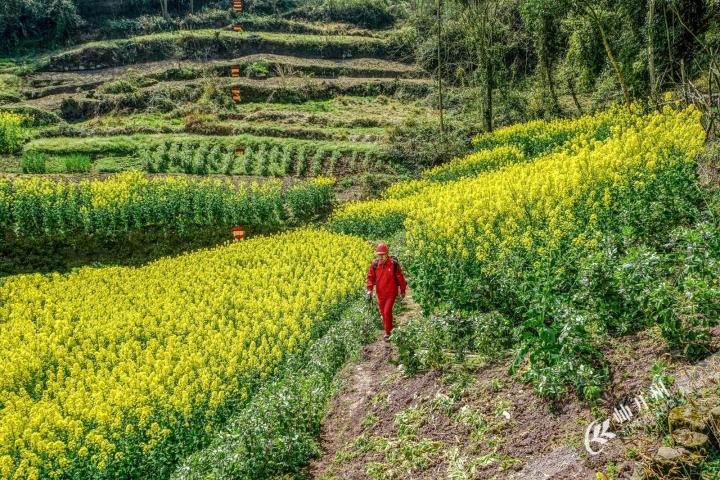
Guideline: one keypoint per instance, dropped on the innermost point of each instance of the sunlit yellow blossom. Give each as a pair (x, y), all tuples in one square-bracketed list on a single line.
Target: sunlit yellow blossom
[(100, 364)]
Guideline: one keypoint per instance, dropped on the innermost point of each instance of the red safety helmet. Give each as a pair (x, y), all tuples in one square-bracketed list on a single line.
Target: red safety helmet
[(382, 248)]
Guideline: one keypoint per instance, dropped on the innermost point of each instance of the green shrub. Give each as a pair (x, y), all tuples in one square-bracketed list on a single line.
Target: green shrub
[(422, 144), (10, 97), (427, 342), (44, 23), (261, 163), (258, 69), (274, 167), (186, 157), (333, 163), (112, 164), (148, 160), (120, 86), (352, 164), (78, 164), (367, 162), (161, 158), (33, 116), (286, 161), (172, 158), (561, 353), (228, 161), (363, 13), (301, 162), (200, 164), (310, 201), (33, 162), (316, 166), (245, 166)]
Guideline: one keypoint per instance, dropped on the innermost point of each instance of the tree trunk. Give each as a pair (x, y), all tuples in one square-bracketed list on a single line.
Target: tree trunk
[(548, 64), (192, 6), (551, 86), (651, 50), (613, 61), (489, 84), (439, 69), (164, 9), (571, 86), (669, 46), (711, 123), (683, 79)]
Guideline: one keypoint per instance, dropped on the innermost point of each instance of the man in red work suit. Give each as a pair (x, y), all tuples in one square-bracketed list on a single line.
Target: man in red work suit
[(386, 276)]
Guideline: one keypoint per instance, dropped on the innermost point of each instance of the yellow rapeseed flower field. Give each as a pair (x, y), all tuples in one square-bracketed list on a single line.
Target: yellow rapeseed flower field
[(35, 207), (113, 369), (510, 145), (533, 214)]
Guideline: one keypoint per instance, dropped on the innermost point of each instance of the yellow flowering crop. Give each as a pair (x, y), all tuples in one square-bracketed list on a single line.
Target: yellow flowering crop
[(468, 166), (108, 369), (507, 146), (11, 131), (540, 136), (33, 207), (525, 215)]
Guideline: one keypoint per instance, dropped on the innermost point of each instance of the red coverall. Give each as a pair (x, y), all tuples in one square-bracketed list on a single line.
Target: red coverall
[(386, 285)]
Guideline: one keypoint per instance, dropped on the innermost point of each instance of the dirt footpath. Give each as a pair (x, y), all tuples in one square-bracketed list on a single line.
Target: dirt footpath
[(473, 422), (362, 381)]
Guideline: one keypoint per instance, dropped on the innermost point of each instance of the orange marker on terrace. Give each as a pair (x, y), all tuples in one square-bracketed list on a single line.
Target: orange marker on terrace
[(237, 27), (239, 151), (238, 233), (235, 94), (234, 71), (238, 5)]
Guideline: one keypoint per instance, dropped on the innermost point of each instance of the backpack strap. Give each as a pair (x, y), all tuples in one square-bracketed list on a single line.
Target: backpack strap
[(395, 264)]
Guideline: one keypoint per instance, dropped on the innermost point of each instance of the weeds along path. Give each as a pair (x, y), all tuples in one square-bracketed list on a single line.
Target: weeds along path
[(362, 383)]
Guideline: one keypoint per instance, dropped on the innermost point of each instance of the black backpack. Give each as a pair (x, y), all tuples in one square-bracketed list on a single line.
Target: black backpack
[(396, 265)]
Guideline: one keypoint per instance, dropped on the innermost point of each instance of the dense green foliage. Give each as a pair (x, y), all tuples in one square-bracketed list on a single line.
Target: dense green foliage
[(364, 13), (33, 162), (524, 59), (23, 20)]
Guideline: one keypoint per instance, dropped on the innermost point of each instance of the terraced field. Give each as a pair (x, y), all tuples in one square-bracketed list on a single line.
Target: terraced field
[(311, 99)]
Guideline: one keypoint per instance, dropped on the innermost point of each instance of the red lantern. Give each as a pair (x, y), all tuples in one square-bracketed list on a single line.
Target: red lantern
[(237, 27), (239, 151), (234, 71), (235, 94), (238, 233), (238, 5)]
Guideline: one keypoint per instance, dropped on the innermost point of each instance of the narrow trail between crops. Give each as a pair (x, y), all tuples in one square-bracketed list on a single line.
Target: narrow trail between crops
[(362, 382)]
